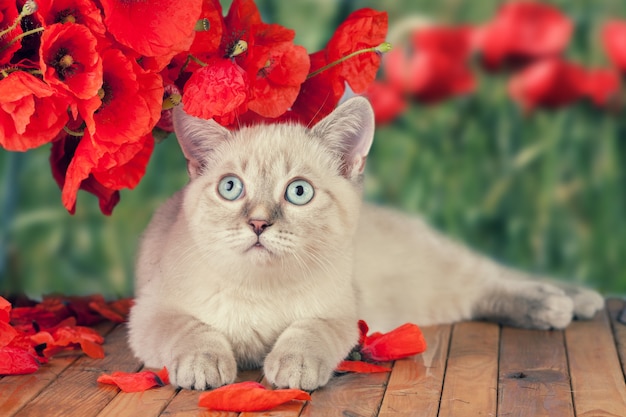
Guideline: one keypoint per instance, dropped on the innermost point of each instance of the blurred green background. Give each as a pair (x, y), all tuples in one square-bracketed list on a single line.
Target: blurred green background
[(546, 193)]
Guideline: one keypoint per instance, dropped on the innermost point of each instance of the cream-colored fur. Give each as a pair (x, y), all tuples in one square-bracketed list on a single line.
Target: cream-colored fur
[(213, 294)]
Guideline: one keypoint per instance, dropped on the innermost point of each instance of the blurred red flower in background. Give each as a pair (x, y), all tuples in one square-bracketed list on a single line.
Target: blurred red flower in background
[(614, 40), (548, 83), (436, 67), (555, 83), (522, 31), (386, 101)]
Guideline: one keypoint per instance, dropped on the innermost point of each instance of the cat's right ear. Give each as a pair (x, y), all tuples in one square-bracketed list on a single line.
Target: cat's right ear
[(197, 138)]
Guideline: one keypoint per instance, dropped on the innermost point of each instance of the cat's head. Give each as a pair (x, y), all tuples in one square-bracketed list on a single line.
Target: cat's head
[(278, 194)]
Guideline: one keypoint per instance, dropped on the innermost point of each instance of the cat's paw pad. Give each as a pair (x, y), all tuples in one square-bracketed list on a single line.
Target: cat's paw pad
[(547, 307), (297, 370), (203, 370)]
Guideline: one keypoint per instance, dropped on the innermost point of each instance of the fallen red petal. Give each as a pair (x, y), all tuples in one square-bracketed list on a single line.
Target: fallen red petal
[(249, 396), (406, 340), (17, 361), (136, 381), (360, 367)]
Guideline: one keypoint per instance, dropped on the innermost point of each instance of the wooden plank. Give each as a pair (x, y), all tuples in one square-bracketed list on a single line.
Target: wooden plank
[(597, 379), (185, 404), (17, 391), (76, 392), (146, 404), (415, 384), (534, 375), (471, 381), (616, 309), (348, 395)]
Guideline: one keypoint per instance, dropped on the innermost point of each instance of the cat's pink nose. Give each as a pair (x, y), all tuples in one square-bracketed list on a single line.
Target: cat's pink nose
[(258, 226)]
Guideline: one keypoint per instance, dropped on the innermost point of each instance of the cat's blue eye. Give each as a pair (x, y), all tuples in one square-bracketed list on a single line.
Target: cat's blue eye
[(299, 192), (230, 188)]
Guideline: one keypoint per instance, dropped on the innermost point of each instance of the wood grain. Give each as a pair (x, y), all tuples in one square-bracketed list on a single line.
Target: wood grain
[(414, 387), (17, 391), (597, 378), (576, 372), (616, 307), (75, 392), (534, 375), (348, 395), (471, 381)]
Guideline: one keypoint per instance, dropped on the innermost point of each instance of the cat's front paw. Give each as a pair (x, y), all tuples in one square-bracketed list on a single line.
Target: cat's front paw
[(203, 369), (302, 370), (544, 306)]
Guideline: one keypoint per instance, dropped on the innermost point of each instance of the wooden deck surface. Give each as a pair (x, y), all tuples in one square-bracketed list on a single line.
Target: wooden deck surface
[(470, 369)]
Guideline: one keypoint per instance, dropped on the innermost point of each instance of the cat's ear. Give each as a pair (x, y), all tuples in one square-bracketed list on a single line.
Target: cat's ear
[(197, 138), (349, 131)]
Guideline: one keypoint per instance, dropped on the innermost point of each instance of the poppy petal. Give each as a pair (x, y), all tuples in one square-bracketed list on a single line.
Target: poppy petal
[(360, 367), (249, 396), (406, 340), (136, 381), (17, 361)]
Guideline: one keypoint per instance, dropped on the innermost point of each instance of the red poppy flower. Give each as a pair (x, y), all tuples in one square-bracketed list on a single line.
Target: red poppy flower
[(278, 83), (68, 59), (152, 28), (61, 154), (437, 66), (8, 15), (31, 112), (118, 134), (320, 94), (603, 86), (219, 91), (386, 101), (614, 40), (83, 12), (548, 83), (136, 381), (248, 396), (5, 310), (208, 41), (362, 29), (524, 30)]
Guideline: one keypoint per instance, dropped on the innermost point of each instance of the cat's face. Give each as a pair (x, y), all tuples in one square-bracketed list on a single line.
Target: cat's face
[(278, 195)]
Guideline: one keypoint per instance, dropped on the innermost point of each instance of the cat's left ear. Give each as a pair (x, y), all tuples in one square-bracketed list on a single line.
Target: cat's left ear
[(197, 138), (349, 131)]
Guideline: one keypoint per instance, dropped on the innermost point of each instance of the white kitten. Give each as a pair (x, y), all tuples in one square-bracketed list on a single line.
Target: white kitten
[(263, 259)]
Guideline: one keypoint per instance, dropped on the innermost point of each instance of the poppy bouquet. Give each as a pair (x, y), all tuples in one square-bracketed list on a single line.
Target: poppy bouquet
[(526, 40), (95, 78)]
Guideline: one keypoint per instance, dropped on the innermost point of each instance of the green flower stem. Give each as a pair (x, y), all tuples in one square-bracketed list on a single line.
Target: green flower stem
[(382, 48), (73, 132), (23, 35)]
